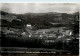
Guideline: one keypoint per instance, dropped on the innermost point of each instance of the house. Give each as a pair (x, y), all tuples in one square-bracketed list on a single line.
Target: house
[(42, 31), (28, 26), (67, 32), (49, 41), (51, 35)]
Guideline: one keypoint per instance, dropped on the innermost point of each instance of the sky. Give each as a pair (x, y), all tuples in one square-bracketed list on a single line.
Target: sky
[(21, 8), (54, 1)]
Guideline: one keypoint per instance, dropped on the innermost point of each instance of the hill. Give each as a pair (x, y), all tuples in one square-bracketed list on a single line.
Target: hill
[(42, 20)]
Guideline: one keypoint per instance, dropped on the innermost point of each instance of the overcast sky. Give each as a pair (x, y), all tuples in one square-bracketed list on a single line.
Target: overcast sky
[(19, 8)]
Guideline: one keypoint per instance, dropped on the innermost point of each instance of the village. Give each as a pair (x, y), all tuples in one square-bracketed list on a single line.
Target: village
[(49, 35)]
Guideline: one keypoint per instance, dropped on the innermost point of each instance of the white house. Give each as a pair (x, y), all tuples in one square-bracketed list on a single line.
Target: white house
[(29, 26)]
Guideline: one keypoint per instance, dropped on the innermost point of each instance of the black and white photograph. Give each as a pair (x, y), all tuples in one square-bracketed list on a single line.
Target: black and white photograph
[(51, 28)]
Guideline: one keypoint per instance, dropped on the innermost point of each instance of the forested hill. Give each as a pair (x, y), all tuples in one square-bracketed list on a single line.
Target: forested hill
[(42, 20)]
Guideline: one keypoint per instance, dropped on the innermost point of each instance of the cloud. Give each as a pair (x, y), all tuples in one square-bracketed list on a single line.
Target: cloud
[(19, 8)]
